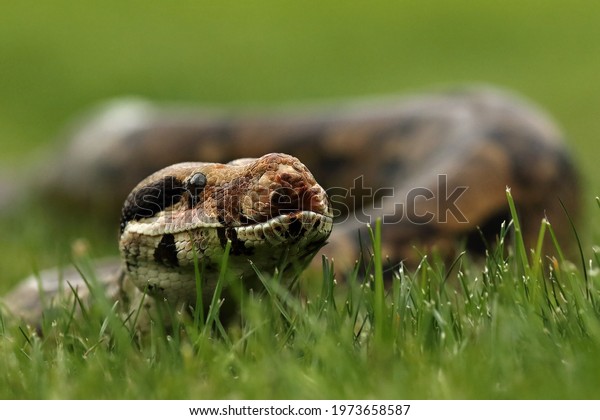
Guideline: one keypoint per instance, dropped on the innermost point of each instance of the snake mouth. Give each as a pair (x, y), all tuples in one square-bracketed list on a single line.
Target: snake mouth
[(287, 225), (305, 226)]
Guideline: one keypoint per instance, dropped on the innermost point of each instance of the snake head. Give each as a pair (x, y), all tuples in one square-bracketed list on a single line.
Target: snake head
[(269, 208)]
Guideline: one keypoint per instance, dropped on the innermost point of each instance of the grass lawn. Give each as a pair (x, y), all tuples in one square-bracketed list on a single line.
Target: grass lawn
[(508, 328)]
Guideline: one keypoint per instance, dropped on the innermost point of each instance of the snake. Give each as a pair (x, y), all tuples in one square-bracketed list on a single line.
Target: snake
[(433, 167)]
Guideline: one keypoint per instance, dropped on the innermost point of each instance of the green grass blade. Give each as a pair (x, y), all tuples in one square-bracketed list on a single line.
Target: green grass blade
[(519, 241), (199, 321), (213, 310), (580, 249), (379, 294)]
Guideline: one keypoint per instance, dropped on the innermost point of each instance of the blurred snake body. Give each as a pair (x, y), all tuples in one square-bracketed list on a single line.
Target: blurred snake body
[(433, 167)]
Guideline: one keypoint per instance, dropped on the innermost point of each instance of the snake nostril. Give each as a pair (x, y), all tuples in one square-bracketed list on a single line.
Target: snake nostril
[(292, 177)]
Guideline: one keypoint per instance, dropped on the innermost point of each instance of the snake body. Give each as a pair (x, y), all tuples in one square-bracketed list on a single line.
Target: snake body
[(434, 167)]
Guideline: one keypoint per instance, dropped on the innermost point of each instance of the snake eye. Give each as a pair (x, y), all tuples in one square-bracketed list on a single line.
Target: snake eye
[(197, 182), (195, 185)]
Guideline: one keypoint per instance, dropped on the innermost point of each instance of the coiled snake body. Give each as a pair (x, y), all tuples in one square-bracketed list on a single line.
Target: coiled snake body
[(434, 167)]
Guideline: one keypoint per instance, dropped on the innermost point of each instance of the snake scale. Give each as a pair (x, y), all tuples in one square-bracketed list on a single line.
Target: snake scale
[(433, 167)]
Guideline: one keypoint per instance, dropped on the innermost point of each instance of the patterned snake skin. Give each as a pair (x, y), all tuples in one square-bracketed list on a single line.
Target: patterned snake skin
[(434, 167)]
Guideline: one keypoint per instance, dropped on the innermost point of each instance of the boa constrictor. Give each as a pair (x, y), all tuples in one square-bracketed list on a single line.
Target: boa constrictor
[(433, 167)]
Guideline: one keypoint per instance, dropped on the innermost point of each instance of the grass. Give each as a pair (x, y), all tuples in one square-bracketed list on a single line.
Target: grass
[(515, 326)]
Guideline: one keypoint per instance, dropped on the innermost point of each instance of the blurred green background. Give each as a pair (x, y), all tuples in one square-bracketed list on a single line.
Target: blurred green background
[(60, 57)]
